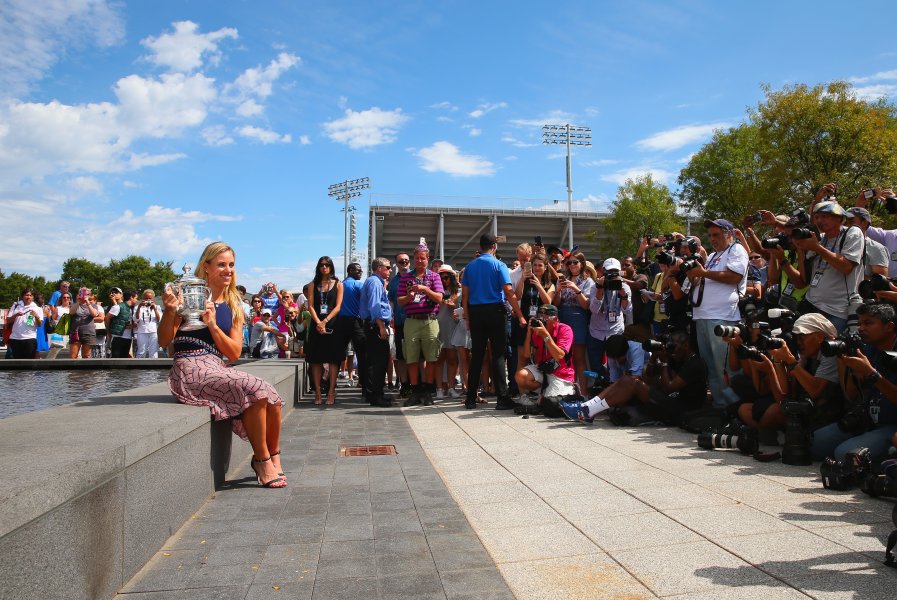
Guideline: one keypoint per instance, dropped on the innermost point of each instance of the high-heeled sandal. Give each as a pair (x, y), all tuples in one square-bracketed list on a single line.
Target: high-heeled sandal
[(331, 398), (273, 454), (277, 482)]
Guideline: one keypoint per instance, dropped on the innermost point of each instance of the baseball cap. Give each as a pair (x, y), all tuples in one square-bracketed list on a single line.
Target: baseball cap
[(266, 311), (548, 309), (814, 322), (830, 207), (611, 264), (115, 290), (721, 223), (859, 212)]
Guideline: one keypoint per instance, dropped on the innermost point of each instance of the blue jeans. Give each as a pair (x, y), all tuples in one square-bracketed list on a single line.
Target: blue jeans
[(714, 352), (595, 354), (832, 441)]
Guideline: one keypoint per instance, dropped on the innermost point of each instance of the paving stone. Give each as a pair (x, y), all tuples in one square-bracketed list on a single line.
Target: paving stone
[(295, 590), (341, 589), (587, 577)]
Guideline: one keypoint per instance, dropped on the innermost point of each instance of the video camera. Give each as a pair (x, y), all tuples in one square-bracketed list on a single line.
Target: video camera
[(612, 280)]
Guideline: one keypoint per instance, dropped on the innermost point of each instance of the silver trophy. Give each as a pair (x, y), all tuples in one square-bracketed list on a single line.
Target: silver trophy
[(193, 293)]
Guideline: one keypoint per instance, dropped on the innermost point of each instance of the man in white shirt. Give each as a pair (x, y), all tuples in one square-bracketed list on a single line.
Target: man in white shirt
[(716, 288)]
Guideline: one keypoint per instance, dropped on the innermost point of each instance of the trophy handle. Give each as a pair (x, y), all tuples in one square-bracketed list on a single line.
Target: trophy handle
[(175, 288)]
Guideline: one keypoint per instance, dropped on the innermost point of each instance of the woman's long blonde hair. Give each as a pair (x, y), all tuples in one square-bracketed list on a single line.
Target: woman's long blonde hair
[(233, 297)]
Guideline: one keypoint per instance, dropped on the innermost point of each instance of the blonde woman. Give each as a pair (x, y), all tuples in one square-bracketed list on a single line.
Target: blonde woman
[(201, 377)]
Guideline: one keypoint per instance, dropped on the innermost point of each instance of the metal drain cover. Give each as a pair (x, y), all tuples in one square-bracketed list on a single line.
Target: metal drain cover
[(367, 450)]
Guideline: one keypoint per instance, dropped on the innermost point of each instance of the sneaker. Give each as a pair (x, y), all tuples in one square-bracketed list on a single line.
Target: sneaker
[(576, 411), (525, 400), (453, 393), (342, 375), (440, 394), (504, 404)]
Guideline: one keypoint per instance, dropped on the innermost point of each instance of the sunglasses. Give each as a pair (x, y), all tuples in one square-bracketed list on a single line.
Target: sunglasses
[(256, 301), (546, 313), (403, 262), (571, 262), (756, 257), (67, 296)]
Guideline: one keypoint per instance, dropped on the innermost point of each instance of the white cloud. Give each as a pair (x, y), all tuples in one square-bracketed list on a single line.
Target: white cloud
[(876, 91), (591, 203), (265, 136), (474, 132), (163, 233), (163, 107), (343, 103), (444, 119), (33, 35), (659, 175), (131, 185), (486, 108), (185, 48), (880, 76), (517, 143), (554, 117), (304, 140), (444, 157), (256, 84), (86, 185), (677, 137), (366, 128), (216, 135), (445, 105), (592, 111), (603, 162)]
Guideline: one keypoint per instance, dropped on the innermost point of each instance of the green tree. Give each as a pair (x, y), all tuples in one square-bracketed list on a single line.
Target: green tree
[(643, 206), (134, 272), (796, 140), (11, 287)]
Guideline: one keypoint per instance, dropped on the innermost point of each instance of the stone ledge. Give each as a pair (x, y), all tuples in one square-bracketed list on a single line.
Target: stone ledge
[(60, 462)]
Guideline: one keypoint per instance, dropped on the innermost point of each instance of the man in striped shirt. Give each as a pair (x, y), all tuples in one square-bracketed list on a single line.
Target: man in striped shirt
[(420, 294)]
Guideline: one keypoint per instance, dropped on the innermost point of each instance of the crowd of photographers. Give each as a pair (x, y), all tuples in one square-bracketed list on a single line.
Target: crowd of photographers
[(793, 318)]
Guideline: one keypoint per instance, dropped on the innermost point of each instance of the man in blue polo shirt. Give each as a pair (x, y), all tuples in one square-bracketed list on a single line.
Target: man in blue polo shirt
[(349, 325), (486, 284), (374, 309)]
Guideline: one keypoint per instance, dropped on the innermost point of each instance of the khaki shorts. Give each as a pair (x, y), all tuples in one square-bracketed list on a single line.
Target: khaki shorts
[(421, 340)]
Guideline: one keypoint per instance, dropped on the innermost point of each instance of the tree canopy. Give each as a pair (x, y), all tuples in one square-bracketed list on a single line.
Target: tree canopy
[(134, 272), (643, 206), (795, 141)]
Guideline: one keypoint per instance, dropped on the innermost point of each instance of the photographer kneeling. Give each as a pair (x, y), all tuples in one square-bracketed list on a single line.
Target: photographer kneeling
[(869, 379), (549, 343), (673, 382)]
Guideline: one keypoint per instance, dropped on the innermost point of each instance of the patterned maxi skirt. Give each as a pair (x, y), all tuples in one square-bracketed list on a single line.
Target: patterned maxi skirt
[(208, 381)]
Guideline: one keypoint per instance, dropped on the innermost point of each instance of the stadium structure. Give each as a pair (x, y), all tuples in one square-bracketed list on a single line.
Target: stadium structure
[(453, 226)]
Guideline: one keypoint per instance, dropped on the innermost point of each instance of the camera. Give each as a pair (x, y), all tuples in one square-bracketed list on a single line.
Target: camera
[(879, 485), (754, 218), (801, 233), (845, 474), (798, 218), (666, 257), (538, 322), (846, 344), (662, 344), (876, 283), (891, 204), (751, 307), (612, 281), (744, 352), (780, 240), (729, 330), (688, 264)]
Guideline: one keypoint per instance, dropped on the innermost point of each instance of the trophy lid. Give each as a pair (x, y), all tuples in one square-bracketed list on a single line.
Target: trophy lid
[(188, 278)]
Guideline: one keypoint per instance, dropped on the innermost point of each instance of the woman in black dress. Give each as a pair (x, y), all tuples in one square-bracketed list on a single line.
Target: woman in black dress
[(325, 296)]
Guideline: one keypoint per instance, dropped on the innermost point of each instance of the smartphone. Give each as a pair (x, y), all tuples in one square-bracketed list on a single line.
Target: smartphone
[(538, 240), (561, 277), (868, 194), (528, 269)]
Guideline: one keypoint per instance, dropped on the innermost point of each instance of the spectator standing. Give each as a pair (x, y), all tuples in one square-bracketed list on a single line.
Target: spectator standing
[(607, 307), (323, 347), (146, 330), (99, 347), (349, 325), (376, 312), (63, 289), (420, 294), (26, 317), (572, 300), (448, 323), (886, 237), (403, 262), (247, 320), (875, 257), (486, 284), (62, 326), (715, 291), (83, 332), (120, 322)]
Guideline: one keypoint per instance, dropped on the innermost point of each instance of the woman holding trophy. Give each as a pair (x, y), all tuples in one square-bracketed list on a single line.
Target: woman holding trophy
[(203, 320)]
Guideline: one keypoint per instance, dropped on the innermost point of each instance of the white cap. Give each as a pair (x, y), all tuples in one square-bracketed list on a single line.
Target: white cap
[(611, 264)]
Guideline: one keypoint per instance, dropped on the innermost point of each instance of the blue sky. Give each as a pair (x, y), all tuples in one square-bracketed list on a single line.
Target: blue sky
[(153, 128)]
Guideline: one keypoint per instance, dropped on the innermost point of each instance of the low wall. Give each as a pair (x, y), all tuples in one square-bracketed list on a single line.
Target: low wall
[(91, 490)]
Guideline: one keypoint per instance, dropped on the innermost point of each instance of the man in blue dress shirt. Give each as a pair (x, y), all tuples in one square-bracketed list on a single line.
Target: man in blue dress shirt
[(349, 324), (376, 313)]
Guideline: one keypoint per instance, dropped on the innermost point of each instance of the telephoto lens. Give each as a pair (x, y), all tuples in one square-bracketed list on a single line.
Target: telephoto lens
[(796, 450), (725, 330), (801, 233), (743, 438), (653, 346)]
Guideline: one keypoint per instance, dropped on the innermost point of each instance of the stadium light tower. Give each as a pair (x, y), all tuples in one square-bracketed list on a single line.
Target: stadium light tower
[(570, 135), (344, 192)]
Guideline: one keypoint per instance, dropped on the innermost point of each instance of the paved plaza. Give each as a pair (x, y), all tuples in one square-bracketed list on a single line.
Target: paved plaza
[(486, 504)]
